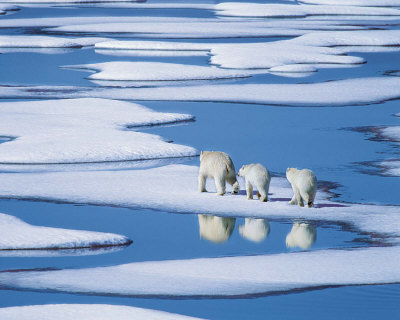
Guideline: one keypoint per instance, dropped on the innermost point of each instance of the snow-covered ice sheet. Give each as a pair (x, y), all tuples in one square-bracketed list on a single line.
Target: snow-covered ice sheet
[(7, 7), (391, 167), (19, 235), (359, 91), (299, 10), (228, 276), (315, 48), (63, 1), (86, 312), (156, 71), (362, 3), (83, 130), (33, 41), (174, 188)]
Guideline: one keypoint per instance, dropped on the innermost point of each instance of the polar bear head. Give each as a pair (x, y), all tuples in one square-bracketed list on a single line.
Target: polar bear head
[(290, 172), (242, 171)]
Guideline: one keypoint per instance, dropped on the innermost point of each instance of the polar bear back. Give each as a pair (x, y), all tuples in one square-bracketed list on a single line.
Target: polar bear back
[(256, 174), (212, 162), (304, 179)]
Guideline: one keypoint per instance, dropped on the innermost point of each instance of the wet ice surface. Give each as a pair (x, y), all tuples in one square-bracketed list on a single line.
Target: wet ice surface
[(335, 155)]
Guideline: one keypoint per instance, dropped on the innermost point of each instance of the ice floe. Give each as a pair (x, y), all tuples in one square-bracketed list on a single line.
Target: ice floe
[(7, 7), (86, 312), (228, 276), (363, 3), (82, 131), (391, 167), (174, 188), (33, 41), (19, 235), (313, 49), (156, 71), (296, 10)]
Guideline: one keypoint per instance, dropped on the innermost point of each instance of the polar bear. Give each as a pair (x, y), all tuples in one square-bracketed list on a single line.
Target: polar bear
[(302, 235), (255, 230), (256, 176), (216, 229), (304, 185), (219, 166)]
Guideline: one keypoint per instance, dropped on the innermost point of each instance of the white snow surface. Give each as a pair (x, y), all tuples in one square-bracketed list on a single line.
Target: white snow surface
[(86, 312), (391, 167), (156, 71), (228, 276), (33, 41), (83, 130), (315, 48), (362, 3), (174, 188), (18, 235), (245, 9)]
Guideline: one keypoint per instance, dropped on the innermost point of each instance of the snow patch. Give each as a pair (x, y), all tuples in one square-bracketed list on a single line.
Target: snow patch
[(32, 41), (362, 3)]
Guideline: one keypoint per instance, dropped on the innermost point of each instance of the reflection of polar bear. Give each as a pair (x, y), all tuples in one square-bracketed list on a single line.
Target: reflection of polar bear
[(304, 185), (255, 230), (216, 229), (219, 166), (302, 235), (256, 176)]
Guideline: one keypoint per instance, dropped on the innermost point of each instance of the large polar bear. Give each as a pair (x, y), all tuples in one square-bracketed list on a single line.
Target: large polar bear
[(216, 229), (218, 166), (302, 235), (255, 230), (256, 176), (304, 185)]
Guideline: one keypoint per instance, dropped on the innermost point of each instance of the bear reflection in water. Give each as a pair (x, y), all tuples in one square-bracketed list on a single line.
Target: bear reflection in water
[(216, 229), (255, 230), (302, 235)]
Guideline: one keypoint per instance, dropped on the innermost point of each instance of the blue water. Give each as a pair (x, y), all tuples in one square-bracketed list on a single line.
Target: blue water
[(323, 139)]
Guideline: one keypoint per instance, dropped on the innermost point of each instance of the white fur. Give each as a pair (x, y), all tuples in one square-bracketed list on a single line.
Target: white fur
[(255, 230), (216, 229), (218, 166), (256, 177), (302, 235), (304, 185)]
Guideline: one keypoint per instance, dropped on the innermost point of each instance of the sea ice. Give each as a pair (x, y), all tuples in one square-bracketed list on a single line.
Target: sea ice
[(19, 235), (86, 312), (156, 71), (362, 3), (33, 41), (296, 10), (349, 92), (227, 276), (174, 188), (82, 131)]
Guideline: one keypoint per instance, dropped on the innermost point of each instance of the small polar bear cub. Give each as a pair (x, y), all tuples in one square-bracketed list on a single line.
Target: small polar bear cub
[(218, 166), (256, 177), (255, 230), (304, 185)]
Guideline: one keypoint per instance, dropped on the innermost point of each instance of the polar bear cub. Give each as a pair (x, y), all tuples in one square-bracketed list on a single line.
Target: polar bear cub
[(304, 185), (218, 166), (256, 176)]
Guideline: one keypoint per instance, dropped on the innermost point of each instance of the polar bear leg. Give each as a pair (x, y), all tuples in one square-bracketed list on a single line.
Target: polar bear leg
[(220, 185), (293, 201), (202, 183), (263, 196), (249, 190), (298, 197), (308, 199)]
